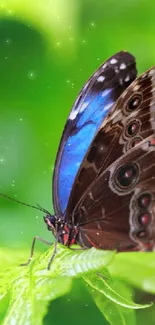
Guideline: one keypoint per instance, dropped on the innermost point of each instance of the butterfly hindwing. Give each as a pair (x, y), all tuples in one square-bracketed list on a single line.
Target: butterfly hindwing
[(117, 211), (131, 120), (93, 103)]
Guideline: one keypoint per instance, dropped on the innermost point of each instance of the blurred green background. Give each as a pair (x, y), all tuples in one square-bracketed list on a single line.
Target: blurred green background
[(48, 49)]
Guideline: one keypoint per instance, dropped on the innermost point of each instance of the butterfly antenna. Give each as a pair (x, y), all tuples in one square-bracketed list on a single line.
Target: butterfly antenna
[(38, 207)]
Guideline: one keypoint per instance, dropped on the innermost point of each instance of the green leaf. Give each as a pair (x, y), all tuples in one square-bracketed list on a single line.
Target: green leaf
[(135, 268), (33, 287), (103, 283), (30, 295), (9, 269), (114, 313), (72, 263), (30, 299)]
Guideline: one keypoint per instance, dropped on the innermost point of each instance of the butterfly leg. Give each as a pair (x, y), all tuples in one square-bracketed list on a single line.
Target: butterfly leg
[(53, 255), (32, 248)]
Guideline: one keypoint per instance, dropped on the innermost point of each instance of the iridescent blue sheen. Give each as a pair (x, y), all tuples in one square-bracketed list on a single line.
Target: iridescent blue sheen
[(77, 144)]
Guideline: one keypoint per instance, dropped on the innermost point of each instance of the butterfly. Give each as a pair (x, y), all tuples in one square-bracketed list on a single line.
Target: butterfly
[(104, 177)]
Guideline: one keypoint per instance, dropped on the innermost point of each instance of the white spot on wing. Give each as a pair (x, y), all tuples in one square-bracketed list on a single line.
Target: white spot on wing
[(151, 72), (105, 65), (123, 66), (75, 112), (73, 115), (116, 70), (127, 78), (136, 88), (107, 107), (106, 92), (83, 106), (100, 78), (113, 61)]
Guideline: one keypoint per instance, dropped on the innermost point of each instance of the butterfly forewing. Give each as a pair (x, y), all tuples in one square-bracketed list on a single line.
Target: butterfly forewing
[(93, 103)]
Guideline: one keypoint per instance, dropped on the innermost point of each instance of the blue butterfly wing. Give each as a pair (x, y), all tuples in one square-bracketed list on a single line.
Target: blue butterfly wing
[(92, 105)]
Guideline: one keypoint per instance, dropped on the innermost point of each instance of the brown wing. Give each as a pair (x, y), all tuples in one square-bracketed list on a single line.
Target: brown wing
[(118, 209), (131, 120), (92, 105)]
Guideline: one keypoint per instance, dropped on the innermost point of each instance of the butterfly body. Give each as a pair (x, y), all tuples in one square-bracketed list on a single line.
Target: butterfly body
[(104, 179)]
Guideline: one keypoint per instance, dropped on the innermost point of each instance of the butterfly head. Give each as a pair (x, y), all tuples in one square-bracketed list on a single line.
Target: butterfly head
[(51, 222), (64, 232)]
